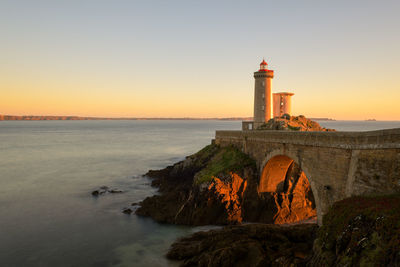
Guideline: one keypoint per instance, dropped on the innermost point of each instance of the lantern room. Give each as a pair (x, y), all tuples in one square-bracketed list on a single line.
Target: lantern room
[(263, 66)]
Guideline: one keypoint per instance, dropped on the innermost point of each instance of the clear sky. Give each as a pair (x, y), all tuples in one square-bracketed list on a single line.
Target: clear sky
[(197, 58)]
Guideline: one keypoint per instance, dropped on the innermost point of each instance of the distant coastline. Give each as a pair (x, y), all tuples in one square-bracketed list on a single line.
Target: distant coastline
[(322, 119), (78, 118)]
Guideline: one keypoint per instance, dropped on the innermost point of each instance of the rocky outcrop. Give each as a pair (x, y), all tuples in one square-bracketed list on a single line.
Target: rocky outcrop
[(360, 231), (230, 192), (296, 201), (220, 186), (246, 245), (291, 201), (206, 188), (293, 123)]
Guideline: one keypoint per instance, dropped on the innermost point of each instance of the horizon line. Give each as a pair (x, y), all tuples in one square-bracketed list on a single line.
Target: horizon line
[(6, 117)]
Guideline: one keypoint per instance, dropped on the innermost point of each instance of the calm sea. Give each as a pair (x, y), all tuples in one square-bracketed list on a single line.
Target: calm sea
[(48, 169)]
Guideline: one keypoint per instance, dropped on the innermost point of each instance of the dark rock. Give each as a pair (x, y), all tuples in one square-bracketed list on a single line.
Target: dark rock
[(127, 210), (105, 189), (360, 231), (134, 204), (96, 193), (247, 245), (113, 191)]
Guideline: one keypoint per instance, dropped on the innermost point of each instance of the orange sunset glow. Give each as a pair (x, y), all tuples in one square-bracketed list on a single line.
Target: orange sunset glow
[(109, 62)]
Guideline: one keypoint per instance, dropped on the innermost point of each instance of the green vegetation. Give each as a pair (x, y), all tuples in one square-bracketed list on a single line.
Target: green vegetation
[(205, 153), (363, 231), (225, 160), (200, 159)]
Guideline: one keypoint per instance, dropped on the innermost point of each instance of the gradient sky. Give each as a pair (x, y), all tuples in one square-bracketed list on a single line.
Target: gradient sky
[(197, 58)]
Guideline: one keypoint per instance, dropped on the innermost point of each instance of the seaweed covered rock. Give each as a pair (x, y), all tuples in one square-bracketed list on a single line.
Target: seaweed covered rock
[(360, 231), (293, 123)]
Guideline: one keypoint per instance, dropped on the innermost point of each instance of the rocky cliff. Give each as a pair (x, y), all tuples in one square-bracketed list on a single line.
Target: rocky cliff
[(206, 188), (219, 186)]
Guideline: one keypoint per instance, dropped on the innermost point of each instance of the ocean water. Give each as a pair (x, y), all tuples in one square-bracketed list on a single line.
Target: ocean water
[(49, 168), (359, 125)]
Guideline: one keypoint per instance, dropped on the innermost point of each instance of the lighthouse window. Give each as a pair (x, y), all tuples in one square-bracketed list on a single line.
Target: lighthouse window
[(262, 107), (263, 95), (263, 83)]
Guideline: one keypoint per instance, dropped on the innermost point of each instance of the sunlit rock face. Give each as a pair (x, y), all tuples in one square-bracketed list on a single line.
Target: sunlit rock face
[(284, 195), (289, 186), (296, 203), (230, 193)]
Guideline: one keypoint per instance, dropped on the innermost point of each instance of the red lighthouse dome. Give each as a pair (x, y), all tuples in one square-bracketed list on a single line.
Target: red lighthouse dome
[(263, 66)]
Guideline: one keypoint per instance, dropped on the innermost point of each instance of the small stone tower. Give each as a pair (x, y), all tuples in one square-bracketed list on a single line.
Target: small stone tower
[(282, 104), (262, 94)]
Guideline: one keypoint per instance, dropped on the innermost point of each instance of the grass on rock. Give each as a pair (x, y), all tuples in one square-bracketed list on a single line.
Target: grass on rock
[(226, 160)]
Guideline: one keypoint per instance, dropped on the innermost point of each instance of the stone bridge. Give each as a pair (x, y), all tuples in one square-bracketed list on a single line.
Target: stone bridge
[(337, 164)]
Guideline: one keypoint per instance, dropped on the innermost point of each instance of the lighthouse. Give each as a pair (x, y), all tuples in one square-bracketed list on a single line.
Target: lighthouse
[(262, 94)]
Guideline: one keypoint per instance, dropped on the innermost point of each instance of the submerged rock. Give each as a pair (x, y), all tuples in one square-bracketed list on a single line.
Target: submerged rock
[(105, 189), (127, 210), (114, 191), (98, 192)]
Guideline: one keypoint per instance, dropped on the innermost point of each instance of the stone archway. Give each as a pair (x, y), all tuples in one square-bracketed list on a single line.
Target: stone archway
[(284, 179)]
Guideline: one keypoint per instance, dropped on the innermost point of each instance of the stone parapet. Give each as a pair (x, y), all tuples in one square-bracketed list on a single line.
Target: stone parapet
[(380, 139)]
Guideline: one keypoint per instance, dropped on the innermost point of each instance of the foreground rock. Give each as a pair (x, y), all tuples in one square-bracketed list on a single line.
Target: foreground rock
[(247, 245), (360, 231), (293, 123)]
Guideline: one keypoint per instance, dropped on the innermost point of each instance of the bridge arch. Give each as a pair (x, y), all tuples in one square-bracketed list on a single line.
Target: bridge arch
[(274, 169)]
